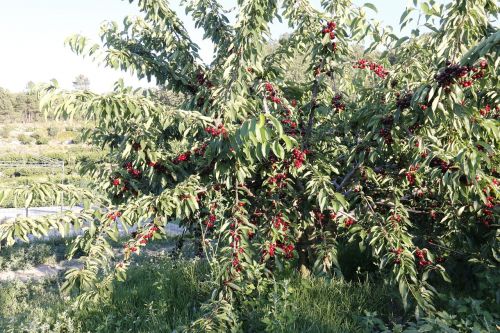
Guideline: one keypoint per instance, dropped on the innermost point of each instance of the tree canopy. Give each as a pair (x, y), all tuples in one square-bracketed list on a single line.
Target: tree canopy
[(381, 166)]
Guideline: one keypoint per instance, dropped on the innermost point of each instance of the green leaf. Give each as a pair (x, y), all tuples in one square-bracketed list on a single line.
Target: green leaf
[(371, 6), (278, 150)]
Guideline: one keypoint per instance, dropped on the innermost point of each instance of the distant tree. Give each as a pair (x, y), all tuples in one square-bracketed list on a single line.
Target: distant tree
[(26, 103), (81, 82), (168, 97), (6, 103), (27, 106)]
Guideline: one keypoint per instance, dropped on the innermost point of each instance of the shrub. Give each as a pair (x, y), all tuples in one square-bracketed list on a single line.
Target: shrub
[(42, 140), (52, 131), (24, 139), (5, 131), (460, 315), (77, 139), (21, 256), (65, 136), (36, 135)]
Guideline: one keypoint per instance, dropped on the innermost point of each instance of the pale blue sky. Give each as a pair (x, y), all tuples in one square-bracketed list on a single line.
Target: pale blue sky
[(32, 34)]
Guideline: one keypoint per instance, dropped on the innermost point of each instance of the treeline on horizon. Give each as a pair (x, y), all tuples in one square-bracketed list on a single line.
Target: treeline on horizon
[(19, 107), (24, 106)]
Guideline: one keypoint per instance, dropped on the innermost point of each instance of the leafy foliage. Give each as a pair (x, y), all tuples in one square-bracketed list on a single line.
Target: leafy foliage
[(392, 158)]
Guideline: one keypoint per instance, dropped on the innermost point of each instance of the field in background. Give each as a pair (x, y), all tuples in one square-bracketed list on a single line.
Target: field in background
[(20, 142)]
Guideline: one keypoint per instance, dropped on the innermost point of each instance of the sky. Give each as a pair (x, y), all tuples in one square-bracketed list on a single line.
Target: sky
[(32, 34)]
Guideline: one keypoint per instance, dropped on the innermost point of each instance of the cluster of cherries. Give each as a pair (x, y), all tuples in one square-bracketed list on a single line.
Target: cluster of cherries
[(136, 146), (114, 215), (337, 103), (157, 166), (279, 223), (485, 111), (489, 111), (437, 162), (421, 256), (184, 157), (379, 70), (349, 222), (287, 248), (200, 151), (135, 173), (299, 157), (488, 210), (286, 113), (142, 238), (404, 101), (117, 182), (395, 218), (386, 134), (217, 131), (271, 93), (410, 174), (321, 217), (202, 80), (289, 122), (329, 30), (278, 179), (385, 131), (397, 252), (235, 244), (210, 221), (455, 73), (490, 203)]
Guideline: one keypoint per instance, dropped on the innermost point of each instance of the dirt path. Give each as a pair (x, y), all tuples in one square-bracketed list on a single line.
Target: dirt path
[(39, 272), (52, 271)]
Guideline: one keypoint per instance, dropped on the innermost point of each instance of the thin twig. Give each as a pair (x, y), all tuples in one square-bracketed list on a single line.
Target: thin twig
[(348, 176)]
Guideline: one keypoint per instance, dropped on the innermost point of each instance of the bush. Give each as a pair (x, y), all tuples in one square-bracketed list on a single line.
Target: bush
[(24, 256), (460, 315), (36, 135), (66, 136), (52, 131), (5, 131), (24, 139), (77, 139), (42, 140)]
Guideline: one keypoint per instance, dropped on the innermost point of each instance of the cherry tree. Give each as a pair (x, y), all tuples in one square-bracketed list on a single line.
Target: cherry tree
[(391, 155)]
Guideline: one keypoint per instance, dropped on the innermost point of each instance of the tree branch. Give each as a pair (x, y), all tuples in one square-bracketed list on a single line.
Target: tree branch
[(312, 109), (347, 177)]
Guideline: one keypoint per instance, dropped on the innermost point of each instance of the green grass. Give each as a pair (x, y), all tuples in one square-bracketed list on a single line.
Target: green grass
[(162, 294), (333, 306), (158, 296), (21, 256)]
